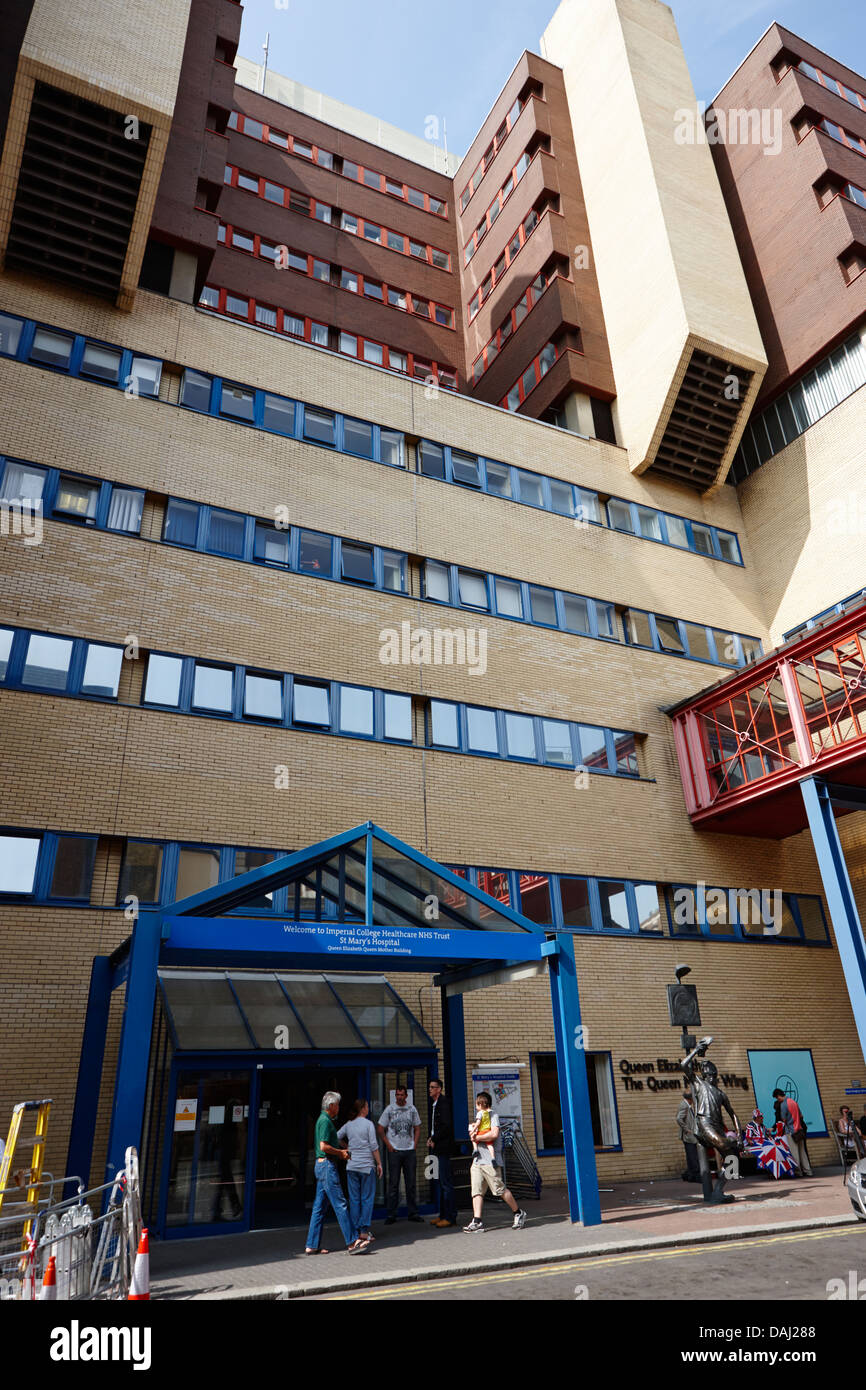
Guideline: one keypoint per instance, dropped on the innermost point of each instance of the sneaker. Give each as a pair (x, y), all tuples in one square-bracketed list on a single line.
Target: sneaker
[(474, 1225), (519, 1221)]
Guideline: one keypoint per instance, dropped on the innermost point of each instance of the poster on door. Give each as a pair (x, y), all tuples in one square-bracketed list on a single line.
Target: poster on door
[(503, 1084), (184, 1115)]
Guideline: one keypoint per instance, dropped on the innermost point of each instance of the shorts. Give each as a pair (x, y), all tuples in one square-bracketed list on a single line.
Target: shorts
[(484, 1173)]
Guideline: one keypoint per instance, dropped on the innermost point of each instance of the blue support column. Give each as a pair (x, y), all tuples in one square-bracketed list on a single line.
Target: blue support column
[(131, 1081), (840, 896), (583, 1199), (454, 1061), (84, 1112)]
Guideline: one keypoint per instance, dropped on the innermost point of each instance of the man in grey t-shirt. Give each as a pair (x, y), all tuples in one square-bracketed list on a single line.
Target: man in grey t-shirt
[(399, 1125)]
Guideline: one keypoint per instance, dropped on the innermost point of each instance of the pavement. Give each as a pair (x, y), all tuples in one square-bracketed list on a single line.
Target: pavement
[(271, 1264)]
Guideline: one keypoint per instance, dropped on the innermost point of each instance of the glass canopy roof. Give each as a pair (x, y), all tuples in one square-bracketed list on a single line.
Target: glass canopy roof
[(247, 1010)]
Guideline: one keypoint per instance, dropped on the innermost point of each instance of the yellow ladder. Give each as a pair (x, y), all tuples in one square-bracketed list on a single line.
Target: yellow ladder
[(42, 1107)]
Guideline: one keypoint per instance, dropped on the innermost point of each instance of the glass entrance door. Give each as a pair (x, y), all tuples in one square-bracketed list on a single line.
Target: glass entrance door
[(290, 1101), (207, 1177)]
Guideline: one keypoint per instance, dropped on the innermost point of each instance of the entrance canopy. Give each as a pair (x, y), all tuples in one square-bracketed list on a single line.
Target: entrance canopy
[(360, 901)]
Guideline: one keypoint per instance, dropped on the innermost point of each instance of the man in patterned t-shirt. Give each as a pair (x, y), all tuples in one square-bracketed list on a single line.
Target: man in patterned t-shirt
[(399, 1125)]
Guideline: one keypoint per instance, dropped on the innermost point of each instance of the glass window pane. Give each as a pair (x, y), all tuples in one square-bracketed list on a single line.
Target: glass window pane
[(356, 710), (703, 539), (576, 907), (649, 917), (520, 736), (543, 605), (728, 546), (237, 402), (101, 362), (498, 479), (319, 425), (443, 724), (6, 636), (10, 334), (271, 545), (73, 868), (23, 483), (648, 522), (102, 670), (398, 717), (576, 613), (245, 861), (727, 647), (357, 563), (481, 730), (557, 742), (562, 498), (125, 508), (181, 522), (605, 617), (698, 640), (212, 688), (47, 663), (373, 353), (437, 581), (18, 855), (432, 458), (311, 704), (314, 554), (162, 686), (619, 515), (509, 599), (530, 488), (535, 898), (625, 752), (77, 499), (593, 748), (637, 626), (392, 448), (669, 634), (195, 390), (54, 349), (676, 529), (393, 571), (358, 438), (473, 589), (614, 905), (197, 869), (263, 697), (464, 469), (226, 533), (588, 508), (140, 872), (812, 918), (349, 344)]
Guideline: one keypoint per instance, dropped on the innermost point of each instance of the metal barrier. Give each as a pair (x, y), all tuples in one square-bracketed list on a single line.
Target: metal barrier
[(94, 1250)]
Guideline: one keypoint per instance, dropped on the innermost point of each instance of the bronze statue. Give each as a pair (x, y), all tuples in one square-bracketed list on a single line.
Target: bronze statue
[(709, 1102)]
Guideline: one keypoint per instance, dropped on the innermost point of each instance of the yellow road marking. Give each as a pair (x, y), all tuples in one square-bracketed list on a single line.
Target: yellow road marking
[(420, 1287)]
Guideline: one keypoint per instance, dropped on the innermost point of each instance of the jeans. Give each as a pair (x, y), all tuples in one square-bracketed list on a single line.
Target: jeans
[(362, 1190), (401, 1161), (693, 1167), (447, 1199), (328, 1189)]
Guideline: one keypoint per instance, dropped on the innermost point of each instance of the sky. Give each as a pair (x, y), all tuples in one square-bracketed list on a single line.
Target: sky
[(406, 62)]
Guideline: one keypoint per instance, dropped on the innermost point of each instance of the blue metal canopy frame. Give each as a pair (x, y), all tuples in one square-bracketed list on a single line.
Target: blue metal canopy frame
[(418, 932)]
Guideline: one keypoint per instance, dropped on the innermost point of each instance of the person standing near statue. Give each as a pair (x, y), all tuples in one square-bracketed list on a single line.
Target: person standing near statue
[(687, 1124), (709, 1101)]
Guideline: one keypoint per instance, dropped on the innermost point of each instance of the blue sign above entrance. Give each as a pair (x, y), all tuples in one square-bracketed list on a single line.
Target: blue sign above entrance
[(349, 939)]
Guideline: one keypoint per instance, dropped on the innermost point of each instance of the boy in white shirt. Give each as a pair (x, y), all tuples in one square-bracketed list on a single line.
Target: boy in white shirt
[(484, 1171)]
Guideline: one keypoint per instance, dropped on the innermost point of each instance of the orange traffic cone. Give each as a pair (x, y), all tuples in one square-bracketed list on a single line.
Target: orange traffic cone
[(139, 1288), (49, 1282)]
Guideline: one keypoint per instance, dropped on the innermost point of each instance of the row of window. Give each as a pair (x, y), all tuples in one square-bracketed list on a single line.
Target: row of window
[(837, 132), (308, 330), (76, 667), (538, 367), (835, 610), (491, 152), (494, 276), (51, 867), (217, 531), (285, 258), (832, 85), (31, 342), (851, 191), (370, 178), (492, 213), (512, 322), (806, 402), (307, 206)]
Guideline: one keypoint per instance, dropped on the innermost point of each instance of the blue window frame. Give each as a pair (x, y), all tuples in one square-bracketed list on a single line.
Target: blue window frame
[(730, 914), (46, 866)]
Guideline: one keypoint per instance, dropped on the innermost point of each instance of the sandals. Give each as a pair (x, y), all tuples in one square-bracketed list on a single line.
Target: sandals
[(308, 1251)]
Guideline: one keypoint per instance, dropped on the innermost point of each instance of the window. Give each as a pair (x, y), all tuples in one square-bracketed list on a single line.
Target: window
[(619, 515), (535, 898), (18, 856), (397, 298), (47, 663), (556, 737), (356, 710), (322, 212), (432, 459), (698, 640), (576, 905), (637, 627), (548, 1114), (237, 306), (311, 704), (728, 546), (703, 539), (669, 635), (530, 488), (271, 545), (101, 362), (226, 533), (520, 736), (472, 589), (349, 223), (443, 724), (498, 479), (464, 469), (576, 610), (373, 353), (398, 717), (245, 861), (481, 730), (244, 241), (73, 867), (6, 636), (436, 582), (587, 506), (236, 402), (140, 872), (195, 390), (52, 349), (349, 344), (319, 426), (23, 483), (593, 748), (78, 499), (543, 605), (212, 688), (626, 753), (614, 906), (509, 600), (561, 498), (102, 670), (263, 697), (649, 917), (357, 563), (392, 448), (648, 523), (162, 686), (10, 334), (677, 533), (125, 508), (321, 270), (278, 414), (393, 571), (248, 182), (358, 438), (181, 522), (349, 281), (197, 869), (314, 554)]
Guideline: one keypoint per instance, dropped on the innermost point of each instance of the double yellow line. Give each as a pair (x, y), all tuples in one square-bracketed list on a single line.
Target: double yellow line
[(420, 1288)]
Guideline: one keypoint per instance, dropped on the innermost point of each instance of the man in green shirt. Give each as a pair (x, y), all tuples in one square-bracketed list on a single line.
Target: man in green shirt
[(327, 1153)]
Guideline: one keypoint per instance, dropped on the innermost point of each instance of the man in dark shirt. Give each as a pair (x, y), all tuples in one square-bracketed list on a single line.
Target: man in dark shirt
[(440, 1144)]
